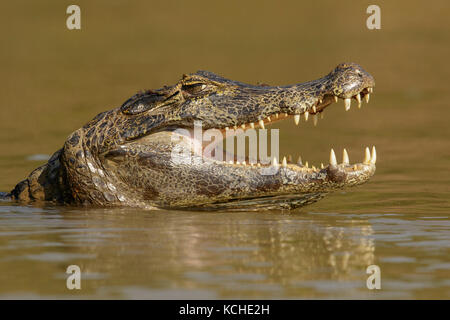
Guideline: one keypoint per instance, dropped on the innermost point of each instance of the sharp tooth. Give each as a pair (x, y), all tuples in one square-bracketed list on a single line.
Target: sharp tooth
[(358, 98), (314, 109), (320, 100), (345, 159), (347, 103), (370, 89), (306, 164), (268, 118), (373, 158), (258, 164), (355, 167), (261, 124), (244, 163), (289, 158), (297, 119), (333, 161), (335, 99), (285, 114), (275, 162), (252, 125), (276, 115), (321, 166), (243, 126), (235, 127), (226, 128), (284, 163), (306, 114), (321, 115), (367, 156), (315, 119), (367, 97), (314, 168), (299, 161), (237, 162)]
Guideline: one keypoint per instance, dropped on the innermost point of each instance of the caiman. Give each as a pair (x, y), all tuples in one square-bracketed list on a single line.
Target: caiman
[(125, 156)]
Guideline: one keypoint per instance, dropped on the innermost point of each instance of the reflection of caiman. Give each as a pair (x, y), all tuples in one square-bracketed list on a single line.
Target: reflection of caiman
[(125, 156)]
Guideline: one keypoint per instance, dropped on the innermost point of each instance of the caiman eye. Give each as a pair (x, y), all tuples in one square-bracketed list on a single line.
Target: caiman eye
[(195, 88)]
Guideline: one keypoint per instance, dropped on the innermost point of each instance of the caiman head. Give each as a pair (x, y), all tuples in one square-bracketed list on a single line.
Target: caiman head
[(161, 148)]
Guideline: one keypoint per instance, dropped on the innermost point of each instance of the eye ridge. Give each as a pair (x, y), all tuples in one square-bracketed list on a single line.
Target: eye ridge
[(194, 88)]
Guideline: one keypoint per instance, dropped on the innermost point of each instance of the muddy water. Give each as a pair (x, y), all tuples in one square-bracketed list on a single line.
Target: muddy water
[(54, 80)]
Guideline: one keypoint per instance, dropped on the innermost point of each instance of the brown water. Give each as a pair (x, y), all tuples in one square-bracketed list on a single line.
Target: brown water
[(55, 80)]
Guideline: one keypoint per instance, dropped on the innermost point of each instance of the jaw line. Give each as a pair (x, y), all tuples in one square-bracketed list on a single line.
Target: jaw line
[(322, 104)]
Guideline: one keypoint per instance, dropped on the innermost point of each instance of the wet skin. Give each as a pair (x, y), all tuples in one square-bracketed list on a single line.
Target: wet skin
[(125, 156)]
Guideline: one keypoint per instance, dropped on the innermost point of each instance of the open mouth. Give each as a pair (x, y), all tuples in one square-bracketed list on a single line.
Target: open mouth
[(313, 113)]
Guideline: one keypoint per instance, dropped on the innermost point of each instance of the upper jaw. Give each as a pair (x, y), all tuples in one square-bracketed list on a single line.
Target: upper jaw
[(320, 94), (305, 99), (313, 106)]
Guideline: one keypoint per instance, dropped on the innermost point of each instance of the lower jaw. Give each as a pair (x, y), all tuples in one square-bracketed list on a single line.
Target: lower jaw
[(241, 160), (303, 178)]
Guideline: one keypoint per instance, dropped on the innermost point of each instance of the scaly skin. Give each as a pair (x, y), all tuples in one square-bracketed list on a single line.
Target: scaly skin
[(124, 157)]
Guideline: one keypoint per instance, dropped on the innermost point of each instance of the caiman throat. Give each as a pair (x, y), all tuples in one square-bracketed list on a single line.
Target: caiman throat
[(145, 153)]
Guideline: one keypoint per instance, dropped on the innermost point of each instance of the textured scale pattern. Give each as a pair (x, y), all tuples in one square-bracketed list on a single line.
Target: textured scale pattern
[(125, 156)]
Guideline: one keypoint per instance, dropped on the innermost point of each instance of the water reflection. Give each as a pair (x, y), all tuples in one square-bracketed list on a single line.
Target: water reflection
[(229, 254)]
